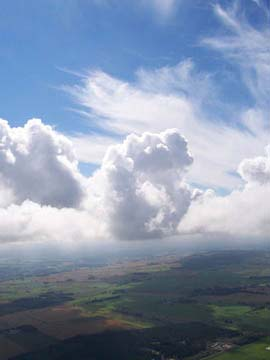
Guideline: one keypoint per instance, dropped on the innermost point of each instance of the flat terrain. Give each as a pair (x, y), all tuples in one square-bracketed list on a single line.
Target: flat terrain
[(56, 314)]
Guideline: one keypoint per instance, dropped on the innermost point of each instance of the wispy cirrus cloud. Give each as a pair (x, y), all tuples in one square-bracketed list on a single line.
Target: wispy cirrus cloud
[(247, 47), (264, 6)]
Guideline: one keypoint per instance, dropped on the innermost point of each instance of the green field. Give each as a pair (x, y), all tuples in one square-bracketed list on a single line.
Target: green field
[(260, 350)]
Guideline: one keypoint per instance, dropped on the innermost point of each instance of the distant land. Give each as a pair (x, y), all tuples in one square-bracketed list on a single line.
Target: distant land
[(212, 305)]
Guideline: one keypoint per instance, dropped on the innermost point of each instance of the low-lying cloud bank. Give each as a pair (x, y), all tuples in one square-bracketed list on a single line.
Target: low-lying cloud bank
[(139, 192), (245, 212)]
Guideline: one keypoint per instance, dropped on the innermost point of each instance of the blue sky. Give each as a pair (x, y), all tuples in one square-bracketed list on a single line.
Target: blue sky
[(39, 38), (154, 119)]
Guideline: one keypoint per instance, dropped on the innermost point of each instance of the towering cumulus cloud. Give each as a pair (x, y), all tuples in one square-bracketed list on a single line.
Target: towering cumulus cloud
[(140, 185), (38, 164)]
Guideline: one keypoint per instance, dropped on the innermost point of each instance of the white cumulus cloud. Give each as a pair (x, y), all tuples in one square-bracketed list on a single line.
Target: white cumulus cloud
[(139, 191), (38, 164), (140, 186)]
